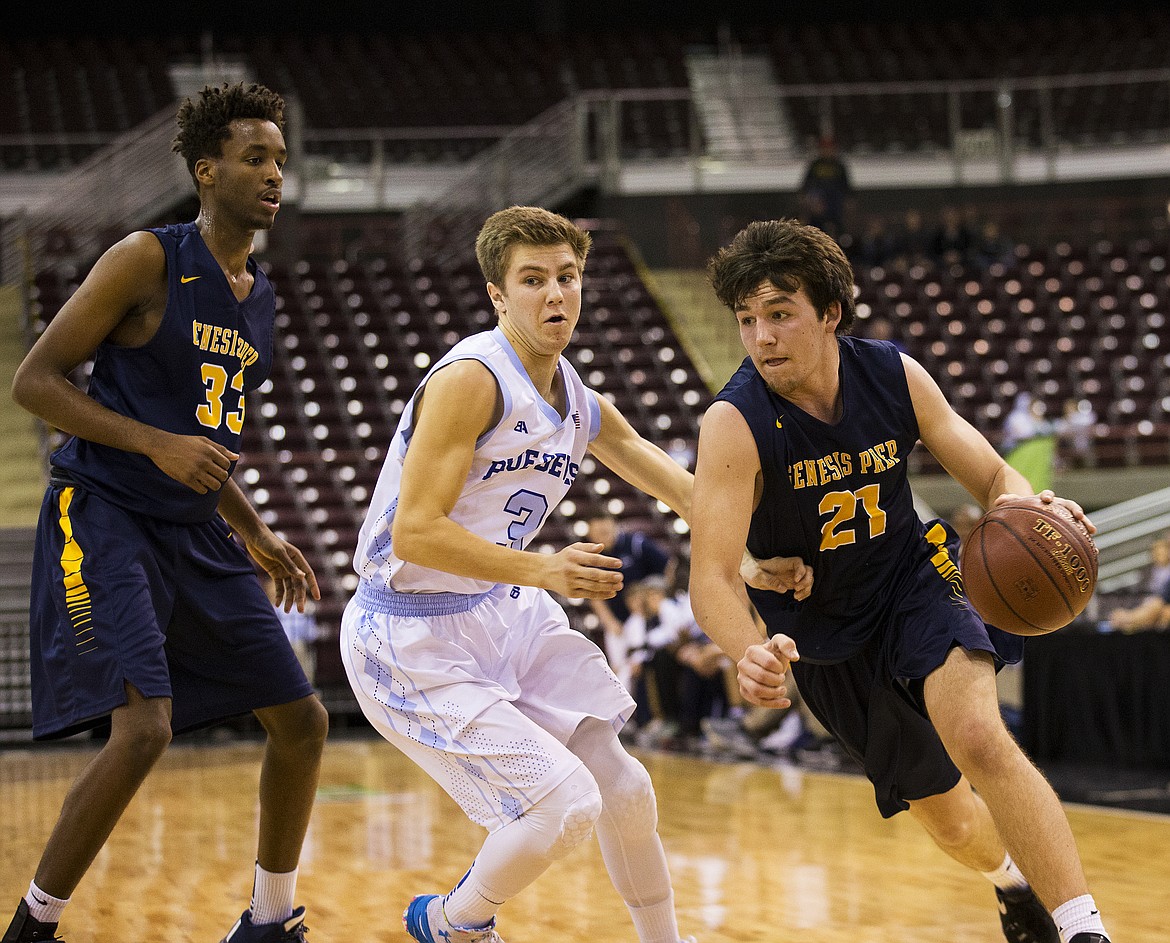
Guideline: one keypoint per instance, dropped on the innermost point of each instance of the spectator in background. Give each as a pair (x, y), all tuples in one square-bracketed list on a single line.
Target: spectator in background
[(875, 245), (1029, 441), (681, 682), (911, 242), (704, 691), (951, 242), (992, 246), (641, 557), (1153, 612), (651, 633), (1075, 429), (826, 189), (301, 628)]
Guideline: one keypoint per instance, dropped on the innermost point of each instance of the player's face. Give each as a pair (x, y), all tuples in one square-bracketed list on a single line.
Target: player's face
[(790, 346), (246, 180), (539, 303)]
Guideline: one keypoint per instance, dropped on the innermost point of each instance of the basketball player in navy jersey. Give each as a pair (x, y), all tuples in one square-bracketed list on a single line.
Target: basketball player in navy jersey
[(144, 609), (803, 457)]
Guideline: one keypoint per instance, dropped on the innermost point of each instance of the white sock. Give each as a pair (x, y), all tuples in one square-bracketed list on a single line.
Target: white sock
[(1078, 915), (1008, 877), (471, 905), (272, 895), (656, 921), (44, 907)]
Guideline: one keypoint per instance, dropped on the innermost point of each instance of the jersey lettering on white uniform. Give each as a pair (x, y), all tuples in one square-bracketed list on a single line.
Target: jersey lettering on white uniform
[(519, 473)]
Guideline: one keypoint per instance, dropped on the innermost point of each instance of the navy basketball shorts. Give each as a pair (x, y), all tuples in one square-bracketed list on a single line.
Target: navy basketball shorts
[(873, 704), (173, 609)]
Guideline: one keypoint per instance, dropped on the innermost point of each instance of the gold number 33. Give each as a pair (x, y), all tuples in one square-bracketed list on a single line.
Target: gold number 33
[(212, 413)]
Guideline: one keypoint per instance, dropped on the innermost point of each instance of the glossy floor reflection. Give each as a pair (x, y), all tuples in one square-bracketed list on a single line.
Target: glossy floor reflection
[(757, 853)]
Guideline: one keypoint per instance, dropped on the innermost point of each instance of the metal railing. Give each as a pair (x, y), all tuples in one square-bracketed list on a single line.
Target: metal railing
[(119, 188), (539, 163), (1125, 532)]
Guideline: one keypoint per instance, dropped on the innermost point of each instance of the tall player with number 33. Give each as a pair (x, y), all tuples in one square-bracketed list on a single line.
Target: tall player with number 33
[(456, 652), (144, 609)]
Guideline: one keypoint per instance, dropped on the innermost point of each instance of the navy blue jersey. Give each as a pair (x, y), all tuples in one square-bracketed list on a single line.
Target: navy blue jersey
[(641, 557), (190, 379), (837, 496)]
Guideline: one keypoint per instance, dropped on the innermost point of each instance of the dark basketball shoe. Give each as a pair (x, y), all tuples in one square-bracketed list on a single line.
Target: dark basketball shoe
[(1090, 938), (292, 930), (27, 929), (1024, 918)]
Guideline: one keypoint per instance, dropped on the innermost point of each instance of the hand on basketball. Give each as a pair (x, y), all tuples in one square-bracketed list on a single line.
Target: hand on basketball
[(763, 672), (1049, 497), (582, 571), (778, 574), (289, 569), (194, 460)]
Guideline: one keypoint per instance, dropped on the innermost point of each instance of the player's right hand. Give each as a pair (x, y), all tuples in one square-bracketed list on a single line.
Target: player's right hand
[(763, 672), (582, 571), (194, 460)]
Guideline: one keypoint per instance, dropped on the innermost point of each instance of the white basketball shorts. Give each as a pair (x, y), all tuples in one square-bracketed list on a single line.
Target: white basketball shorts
[(485, 699)]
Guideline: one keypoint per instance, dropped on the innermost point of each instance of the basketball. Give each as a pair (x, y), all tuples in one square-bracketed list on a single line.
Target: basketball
[(1028, 567)]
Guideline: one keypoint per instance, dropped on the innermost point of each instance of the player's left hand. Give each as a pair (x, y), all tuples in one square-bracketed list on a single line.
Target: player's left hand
[(778, 574), (289, 569), (1049, 497)]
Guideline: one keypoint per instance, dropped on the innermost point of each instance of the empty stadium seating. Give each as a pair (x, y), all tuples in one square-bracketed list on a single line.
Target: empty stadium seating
[(73, 93)]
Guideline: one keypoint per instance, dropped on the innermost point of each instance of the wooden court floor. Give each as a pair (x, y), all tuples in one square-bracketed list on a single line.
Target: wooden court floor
[(757, 854)]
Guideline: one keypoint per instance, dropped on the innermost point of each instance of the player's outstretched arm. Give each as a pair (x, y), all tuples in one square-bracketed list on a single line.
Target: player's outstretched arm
[(459, 405)]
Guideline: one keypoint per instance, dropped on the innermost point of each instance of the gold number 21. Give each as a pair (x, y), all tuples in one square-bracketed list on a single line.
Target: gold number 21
[(843, 506)]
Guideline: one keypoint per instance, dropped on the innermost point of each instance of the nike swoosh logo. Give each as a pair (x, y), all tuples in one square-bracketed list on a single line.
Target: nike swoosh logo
[(779, 425), (188, 278), (43, 903)]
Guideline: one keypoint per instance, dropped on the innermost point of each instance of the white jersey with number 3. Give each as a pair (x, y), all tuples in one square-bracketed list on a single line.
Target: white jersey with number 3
[(519, 473)]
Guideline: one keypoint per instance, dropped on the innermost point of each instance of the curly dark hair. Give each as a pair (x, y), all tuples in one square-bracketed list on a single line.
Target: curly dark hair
[(792, 256), (203, 124)]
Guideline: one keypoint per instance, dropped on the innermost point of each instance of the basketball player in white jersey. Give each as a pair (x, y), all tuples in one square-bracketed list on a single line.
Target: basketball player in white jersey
[(456, 651)]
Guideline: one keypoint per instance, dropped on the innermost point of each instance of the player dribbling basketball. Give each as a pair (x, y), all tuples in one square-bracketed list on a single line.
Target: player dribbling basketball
[(802, 456)]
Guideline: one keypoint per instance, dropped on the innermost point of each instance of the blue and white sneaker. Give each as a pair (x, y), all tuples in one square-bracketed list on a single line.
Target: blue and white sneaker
[(424, 920), (292, 930)]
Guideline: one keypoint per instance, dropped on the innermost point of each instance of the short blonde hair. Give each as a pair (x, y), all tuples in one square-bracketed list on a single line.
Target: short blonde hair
[(529, 226)]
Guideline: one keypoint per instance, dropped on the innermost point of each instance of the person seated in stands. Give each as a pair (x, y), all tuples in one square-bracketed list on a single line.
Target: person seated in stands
[(679, 678), (640, 556), (875, 245), (951, 242), (1153, 612), (911, 242), (992, 246), (652, 667)]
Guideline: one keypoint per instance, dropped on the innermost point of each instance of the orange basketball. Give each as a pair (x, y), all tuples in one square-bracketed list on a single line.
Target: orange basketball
[(1029, 568)]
